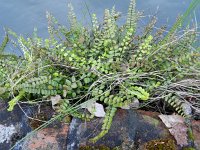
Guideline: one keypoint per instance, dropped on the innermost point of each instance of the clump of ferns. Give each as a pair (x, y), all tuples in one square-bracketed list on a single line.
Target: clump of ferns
[(106, 63)]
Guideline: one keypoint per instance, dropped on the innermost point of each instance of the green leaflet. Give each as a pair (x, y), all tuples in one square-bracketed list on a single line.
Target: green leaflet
[(14, 101)]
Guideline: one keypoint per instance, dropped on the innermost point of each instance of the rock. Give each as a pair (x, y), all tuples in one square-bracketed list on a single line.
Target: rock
[(16, 125), (6, 133), (13, 126), (129, 130), (196, 133), (132, 130), (50, 138), (177, 128)]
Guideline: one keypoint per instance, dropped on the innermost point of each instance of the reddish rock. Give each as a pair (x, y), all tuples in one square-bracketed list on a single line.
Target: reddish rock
[(129, 130), (53, 138), (15, 125), (132, 130)]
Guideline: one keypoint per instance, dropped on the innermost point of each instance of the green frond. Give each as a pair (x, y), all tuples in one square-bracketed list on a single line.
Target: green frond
[(72, 17), (107, 122), (107, 24), (24, 45), (95, 26), (178, 105), (131, 16), (180, 21), (51, 23), (115, 14), (4, 43)]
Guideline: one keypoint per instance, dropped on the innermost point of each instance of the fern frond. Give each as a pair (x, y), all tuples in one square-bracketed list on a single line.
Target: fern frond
[(25, 49), (72, 17), (149, 28), (33, 82), (115, 14), (179, 22), (95, 26), (107, 122), (51, 23), (180, 107), (132, 16), (4, 43)]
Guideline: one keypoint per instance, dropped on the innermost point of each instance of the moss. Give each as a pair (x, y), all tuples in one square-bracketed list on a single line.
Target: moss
[(189, 148), (190, 134), (100, 147), (161, 144), (67, 119), (117, 148), (151, 120), (125, 145)]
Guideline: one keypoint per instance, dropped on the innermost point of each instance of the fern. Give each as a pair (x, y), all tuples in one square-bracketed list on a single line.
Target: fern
[(51, 24), (179, 106), (106, 123), (95, 26), (107, 63), (132, 16), (72, 17), (180, 21), (4, 43)]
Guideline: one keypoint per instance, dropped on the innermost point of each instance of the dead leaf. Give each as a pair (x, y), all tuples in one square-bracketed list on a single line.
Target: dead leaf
[(55, 100), (177, 128), (94, 108), (98, 110)]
